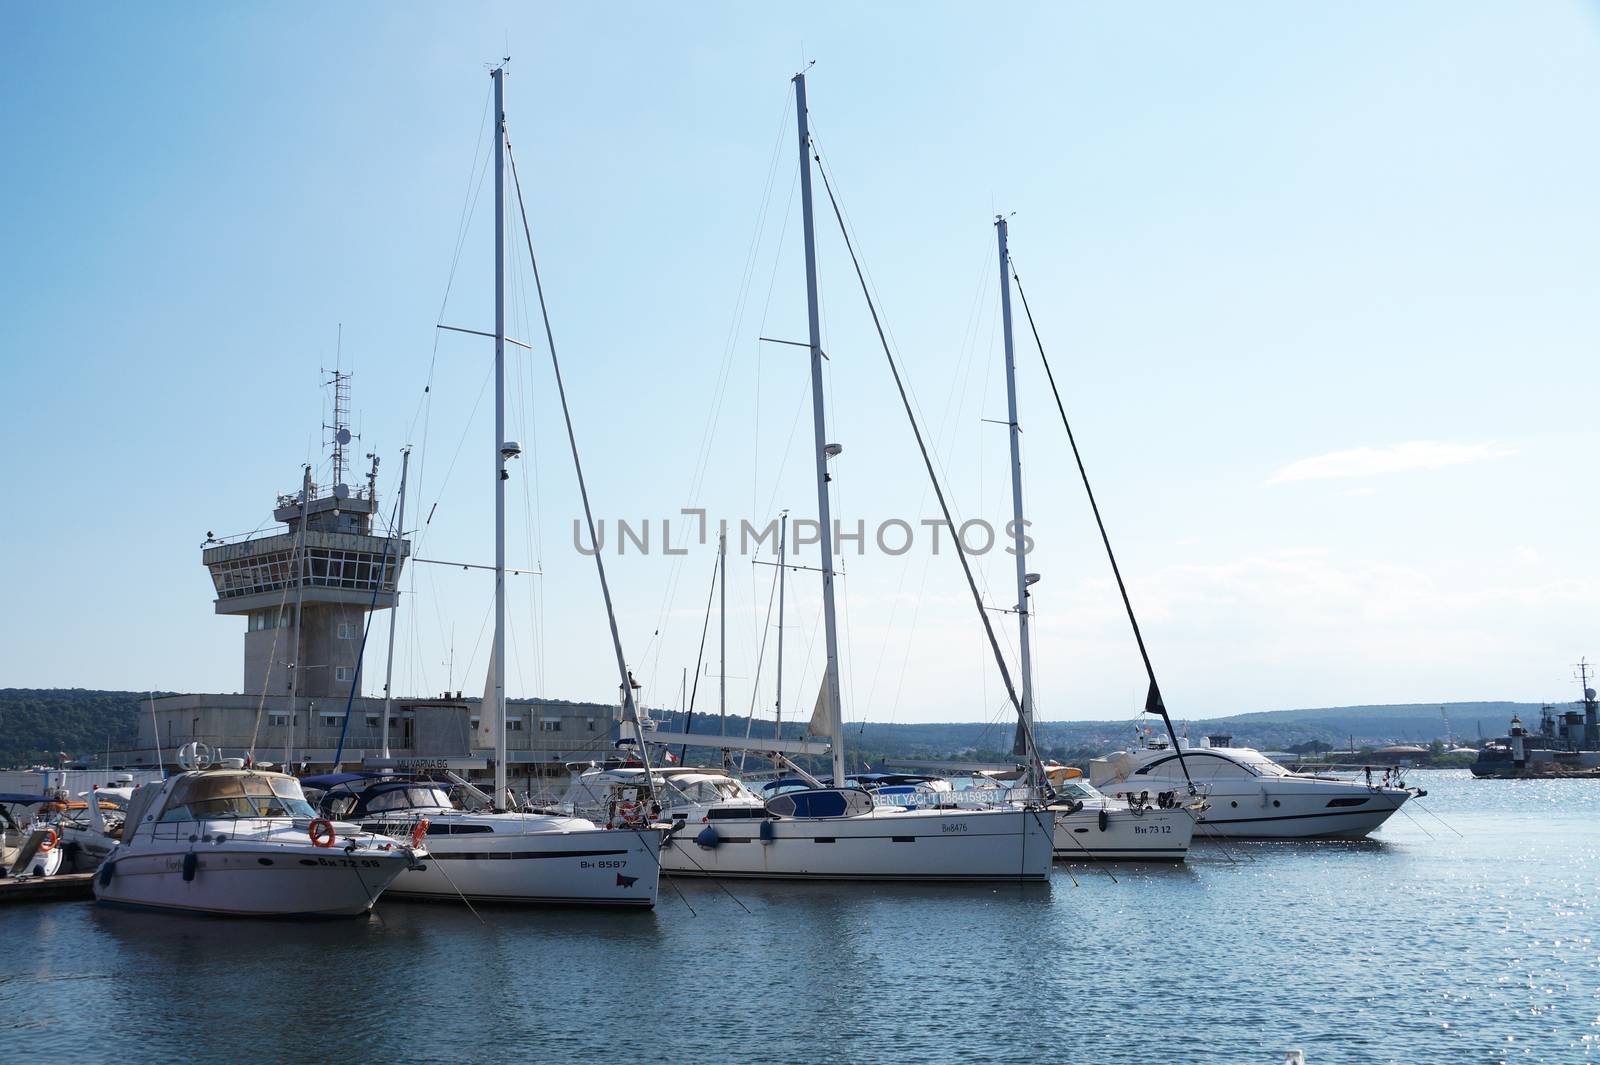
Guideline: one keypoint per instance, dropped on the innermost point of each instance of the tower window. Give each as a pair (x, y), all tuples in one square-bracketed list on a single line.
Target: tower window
[(341, 674), (513, 724), (346, 631), (549, 724)]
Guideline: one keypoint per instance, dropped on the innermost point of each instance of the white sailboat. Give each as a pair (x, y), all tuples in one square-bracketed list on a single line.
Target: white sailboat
[(504, 855), (1088, 824), (836, 831)]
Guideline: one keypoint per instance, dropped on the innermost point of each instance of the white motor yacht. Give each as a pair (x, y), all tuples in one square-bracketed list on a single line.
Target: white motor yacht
[(1249, 795), (506, 857), (719, 828), (88, 835), (242, 842)]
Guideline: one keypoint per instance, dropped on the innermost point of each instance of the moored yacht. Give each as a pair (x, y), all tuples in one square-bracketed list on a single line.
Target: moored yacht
[(241, 842), (29, 844), (718, 827), (1250, 795), (505, 857), (831, 831), (1091, 825)]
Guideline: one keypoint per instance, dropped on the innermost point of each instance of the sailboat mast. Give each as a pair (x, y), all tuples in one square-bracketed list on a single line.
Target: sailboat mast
[(1019, 538), (824, 518), (783, 534), (388, 669), (499, 652), (299, 614), (722, 624)]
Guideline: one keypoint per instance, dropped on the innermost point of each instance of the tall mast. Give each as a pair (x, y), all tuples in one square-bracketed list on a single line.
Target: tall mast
[(299, 604), (783, 533), (830, 630), (1018, 537), (499, 651), (400, 531), (722, 624)]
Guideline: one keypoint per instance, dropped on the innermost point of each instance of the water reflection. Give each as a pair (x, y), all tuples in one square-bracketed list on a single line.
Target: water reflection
[(1399, 948)]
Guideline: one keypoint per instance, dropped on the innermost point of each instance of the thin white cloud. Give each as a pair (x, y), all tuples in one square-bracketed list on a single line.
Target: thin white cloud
[(1398, 458)]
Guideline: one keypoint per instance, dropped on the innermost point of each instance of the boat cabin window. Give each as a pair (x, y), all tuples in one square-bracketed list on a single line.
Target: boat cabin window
[(408, 798), (221, 796)]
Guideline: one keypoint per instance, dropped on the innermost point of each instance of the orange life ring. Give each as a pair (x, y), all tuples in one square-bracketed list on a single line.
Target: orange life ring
[(49, 844), (631, 812), (316, 829), (418, 831)]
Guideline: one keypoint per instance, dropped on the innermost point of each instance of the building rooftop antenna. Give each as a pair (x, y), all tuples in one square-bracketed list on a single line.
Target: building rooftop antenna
[(339, 435)]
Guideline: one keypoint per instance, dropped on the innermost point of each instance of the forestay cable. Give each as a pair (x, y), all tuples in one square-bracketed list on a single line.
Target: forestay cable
[(1153, 703), (631, 708), (938, 490)]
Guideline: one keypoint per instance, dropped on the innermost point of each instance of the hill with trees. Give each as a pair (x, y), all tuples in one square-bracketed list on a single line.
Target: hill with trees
[(37, 724)]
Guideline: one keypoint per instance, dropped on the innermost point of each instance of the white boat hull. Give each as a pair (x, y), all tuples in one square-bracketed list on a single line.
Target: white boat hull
[(1294, 808), (245, 879), (87, 847), (1128, 835), (887, 844), (590, 867)]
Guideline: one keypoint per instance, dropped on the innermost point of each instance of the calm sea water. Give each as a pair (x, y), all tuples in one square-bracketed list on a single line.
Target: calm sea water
[(1417, 946)]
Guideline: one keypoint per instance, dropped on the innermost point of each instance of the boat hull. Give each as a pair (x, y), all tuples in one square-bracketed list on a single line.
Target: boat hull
[(885, 845), (1127, 835), (1291, 815), (593, 867), (244, 880)]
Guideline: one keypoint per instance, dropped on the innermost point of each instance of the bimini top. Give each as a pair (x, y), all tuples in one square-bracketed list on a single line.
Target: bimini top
[(385, 797)]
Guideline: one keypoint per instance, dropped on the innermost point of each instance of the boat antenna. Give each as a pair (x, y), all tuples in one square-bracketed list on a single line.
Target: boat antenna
[(1153, 703)]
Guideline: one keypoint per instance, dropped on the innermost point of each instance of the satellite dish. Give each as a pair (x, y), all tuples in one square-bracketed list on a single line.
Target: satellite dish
[(341, 491), (342, 436)]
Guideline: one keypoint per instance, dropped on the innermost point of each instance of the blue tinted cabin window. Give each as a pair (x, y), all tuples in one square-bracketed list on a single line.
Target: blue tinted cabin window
[(819, 804)]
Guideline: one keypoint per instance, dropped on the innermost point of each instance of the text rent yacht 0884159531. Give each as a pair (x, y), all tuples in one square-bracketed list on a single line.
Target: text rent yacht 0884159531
[(832, 830), (498, 854)]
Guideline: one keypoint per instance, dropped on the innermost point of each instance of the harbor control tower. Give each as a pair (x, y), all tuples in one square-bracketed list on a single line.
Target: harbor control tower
[(307, 589)]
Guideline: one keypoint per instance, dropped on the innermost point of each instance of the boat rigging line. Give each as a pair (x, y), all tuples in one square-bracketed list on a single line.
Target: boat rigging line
[(631, 708), (1153, 703), (688, 717), (1043, 781)]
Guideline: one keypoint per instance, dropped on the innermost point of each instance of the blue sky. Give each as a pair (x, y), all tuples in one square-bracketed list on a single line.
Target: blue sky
[(1318, 283)]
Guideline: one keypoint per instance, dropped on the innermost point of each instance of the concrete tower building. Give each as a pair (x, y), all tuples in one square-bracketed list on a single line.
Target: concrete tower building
[(307, 590)]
